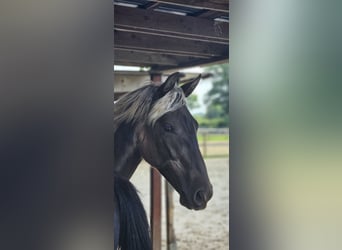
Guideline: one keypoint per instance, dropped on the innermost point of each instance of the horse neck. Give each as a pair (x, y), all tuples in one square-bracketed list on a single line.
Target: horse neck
[(126, 152)]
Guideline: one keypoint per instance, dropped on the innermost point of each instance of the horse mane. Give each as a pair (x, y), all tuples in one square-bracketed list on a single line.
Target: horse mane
[(139, 106)]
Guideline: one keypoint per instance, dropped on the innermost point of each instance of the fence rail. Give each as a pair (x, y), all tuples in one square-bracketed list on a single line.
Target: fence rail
[(213, 130), (214, 142)]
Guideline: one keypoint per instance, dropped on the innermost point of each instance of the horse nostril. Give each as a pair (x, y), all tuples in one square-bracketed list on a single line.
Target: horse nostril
[(200, 197)]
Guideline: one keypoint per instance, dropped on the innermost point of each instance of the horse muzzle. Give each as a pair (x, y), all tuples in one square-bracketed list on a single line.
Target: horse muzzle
[(199, 199), (194, 192)]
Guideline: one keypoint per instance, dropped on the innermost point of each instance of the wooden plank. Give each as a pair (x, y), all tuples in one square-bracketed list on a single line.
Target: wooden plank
[(184, 63), (150, 5), (133, 64), (170, 25), (169, 46), (172, 35), (218, 5), (144, 58), (176, 55), (127, 81), (193, 63), (126, 57), (210, 14)]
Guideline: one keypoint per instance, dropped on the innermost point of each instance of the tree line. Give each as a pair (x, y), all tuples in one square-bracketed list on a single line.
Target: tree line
[(216, 100)]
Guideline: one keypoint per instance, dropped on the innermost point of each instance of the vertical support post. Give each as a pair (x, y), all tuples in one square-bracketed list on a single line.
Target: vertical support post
[(170, 233), (155, 209), (155, 197)]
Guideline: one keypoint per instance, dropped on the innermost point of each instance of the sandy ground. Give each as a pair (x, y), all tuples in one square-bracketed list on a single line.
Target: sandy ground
[(197, 230), (213, 149)]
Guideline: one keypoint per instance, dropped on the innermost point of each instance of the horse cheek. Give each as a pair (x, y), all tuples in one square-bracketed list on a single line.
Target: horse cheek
[(148, 150)]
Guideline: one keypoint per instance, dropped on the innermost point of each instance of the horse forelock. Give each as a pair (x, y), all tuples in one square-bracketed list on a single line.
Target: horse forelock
[(138, 106), (133, 107), (172, 101)]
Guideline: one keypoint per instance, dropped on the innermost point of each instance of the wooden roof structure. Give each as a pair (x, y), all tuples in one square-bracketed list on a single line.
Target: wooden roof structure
[(170, 34)]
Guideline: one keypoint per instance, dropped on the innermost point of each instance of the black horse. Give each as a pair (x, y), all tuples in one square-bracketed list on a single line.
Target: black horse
[(154, 124)]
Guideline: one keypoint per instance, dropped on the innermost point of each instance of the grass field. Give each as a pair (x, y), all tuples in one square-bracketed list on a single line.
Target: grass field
[(214, 145), (213, 138)]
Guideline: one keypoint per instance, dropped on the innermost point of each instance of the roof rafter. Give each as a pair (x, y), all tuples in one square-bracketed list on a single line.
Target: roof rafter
[(218, 5), (169, 25), (171, 46)]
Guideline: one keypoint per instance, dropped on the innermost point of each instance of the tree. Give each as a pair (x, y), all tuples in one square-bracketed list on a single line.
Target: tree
[(217, 98), (192, 102)]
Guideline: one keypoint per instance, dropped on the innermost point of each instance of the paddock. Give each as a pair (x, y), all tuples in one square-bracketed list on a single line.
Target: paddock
[(200, 230)]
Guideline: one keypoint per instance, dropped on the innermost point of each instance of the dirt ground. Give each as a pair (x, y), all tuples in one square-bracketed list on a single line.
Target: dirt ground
[(214, 149), (195, 230)]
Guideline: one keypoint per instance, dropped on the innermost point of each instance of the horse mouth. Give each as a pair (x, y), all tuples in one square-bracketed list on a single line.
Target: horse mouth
[(199, 202), (191, 205)]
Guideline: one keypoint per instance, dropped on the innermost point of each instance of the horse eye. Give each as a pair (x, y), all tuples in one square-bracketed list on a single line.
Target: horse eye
[(168, 127)]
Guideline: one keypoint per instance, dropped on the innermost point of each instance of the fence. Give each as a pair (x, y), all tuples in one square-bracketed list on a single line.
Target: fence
[(214, 142)]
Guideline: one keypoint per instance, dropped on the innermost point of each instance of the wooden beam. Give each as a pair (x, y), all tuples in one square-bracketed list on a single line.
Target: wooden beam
[(193, 63), (128, 81), (150, 5), (157, 68), (126, 57), (178, 55), (218, 5), (141, 58), (132, 64), (170, 25), (172, 35), (168, 46), (210, 14)]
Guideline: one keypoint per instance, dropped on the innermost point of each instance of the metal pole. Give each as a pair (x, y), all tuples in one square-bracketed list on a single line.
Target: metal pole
[(155, 209), (170, 232), (155, 198)]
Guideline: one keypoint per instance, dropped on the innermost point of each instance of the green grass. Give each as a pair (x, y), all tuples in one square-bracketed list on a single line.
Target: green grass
[(213, 138), (216, 156)]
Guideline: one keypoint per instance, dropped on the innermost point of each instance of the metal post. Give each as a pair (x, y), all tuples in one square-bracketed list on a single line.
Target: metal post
[(156, 197), (155, 209), (170, 233)]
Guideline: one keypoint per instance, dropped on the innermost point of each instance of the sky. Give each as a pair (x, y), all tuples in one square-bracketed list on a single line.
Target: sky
[(203, 87)]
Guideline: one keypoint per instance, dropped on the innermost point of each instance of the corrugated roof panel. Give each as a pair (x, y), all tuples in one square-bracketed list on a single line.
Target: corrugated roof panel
[(222, 19), (132, 2), (176, 8)]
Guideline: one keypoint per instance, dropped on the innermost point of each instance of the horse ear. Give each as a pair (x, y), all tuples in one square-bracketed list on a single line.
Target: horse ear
[(190, 85), (169, 84)]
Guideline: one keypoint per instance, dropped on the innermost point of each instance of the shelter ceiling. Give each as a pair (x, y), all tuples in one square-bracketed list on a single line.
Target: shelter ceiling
[(170, 34)]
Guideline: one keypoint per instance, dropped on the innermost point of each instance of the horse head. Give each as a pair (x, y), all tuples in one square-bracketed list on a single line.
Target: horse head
[(168, 141)]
